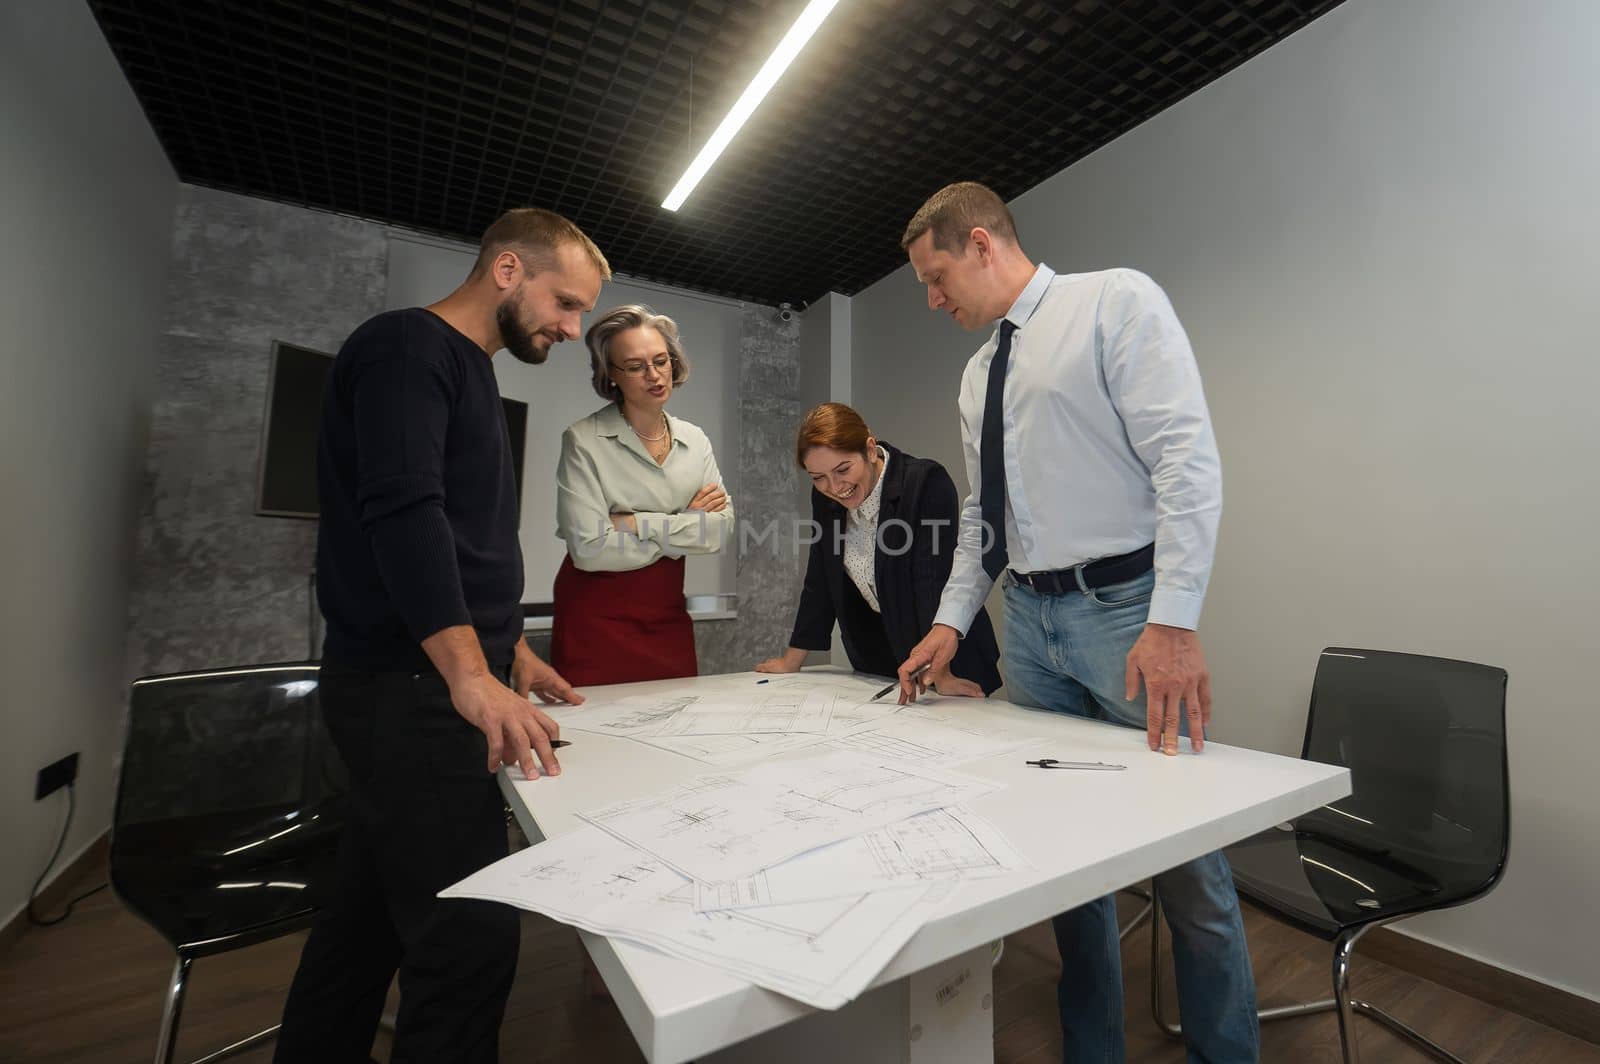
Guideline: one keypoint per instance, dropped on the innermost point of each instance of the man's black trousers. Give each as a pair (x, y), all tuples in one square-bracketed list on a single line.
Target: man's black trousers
[(424, 813)]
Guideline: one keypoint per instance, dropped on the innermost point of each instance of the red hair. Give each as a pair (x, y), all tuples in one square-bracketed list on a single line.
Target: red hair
[(831, 425)]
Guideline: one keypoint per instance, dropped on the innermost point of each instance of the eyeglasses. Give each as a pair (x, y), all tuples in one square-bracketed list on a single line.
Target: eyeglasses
[(636, 367)]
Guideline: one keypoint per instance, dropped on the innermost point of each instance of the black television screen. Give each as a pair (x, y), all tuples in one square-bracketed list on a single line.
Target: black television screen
[(286, 483)]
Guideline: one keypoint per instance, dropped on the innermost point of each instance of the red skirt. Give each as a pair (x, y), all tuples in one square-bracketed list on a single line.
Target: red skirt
[(622, 627)]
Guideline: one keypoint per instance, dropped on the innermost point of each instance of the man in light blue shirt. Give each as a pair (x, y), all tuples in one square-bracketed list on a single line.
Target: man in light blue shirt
[(1095, 495)]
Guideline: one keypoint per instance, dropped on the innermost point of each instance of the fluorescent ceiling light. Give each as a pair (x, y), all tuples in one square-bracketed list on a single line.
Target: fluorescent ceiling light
[(754, 93)]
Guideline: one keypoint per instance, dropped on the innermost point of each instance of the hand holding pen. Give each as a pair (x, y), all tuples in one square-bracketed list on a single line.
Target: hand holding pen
[(892, 686), (934, 653)]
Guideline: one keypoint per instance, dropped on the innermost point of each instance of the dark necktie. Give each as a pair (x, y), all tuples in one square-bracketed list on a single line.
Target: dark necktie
[(992, 456)]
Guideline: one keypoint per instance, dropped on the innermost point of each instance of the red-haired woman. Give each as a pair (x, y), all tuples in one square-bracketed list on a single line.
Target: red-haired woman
[(886, 525)]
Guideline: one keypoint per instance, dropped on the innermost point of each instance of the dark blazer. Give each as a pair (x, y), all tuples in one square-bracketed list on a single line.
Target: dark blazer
[(909, 582)]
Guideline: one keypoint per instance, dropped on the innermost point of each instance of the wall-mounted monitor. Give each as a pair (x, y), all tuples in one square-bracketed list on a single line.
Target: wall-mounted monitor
[(286, 477)]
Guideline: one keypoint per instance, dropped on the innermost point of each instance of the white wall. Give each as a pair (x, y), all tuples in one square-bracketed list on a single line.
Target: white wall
[(422, 270), (816, 351), (84, 245), (1381, 235)]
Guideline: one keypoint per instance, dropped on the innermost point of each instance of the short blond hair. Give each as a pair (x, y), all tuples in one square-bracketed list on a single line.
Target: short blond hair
[(535, 235), (953, 212), (619, 320)]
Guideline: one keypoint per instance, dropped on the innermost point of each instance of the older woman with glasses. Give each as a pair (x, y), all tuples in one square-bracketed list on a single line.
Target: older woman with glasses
[(636, 492)]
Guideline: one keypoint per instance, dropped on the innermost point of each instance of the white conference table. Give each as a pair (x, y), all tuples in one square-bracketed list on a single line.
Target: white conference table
[(1085, 833)]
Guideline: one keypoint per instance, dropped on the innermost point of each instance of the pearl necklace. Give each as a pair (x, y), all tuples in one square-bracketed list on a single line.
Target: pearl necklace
[(658, 437)]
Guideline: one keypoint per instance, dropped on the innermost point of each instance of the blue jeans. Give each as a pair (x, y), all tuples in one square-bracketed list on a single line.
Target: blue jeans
[(1069, 654)]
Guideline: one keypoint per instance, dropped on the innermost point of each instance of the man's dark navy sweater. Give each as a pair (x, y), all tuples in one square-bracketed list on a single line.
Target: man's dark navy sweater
[(418, 499)]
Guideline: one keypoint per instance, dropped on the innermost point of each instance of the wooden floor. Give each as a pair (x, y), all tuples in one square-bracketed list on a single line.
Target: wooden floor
[(91, 989)]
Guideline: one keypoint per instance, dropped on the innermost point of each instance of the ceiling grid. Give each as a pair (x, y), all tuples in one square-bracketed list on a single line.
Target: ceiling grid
[(438, 114)]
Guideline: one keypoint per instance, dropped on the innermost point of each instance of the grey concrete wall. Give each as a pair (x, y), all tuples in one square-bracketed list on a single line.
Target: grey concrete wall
[(769, 566), (216, 584), (84, 234), (815, 354)]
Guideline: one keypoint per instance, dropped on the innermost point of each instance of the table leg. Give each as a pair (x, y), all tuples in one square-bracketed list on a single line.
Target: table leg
[(941, 1015), (952, 1011)]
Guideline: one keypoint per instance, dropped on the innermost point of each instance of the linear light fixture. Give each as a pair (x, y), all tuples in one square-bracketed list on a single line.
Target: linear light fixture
[(751, 98)]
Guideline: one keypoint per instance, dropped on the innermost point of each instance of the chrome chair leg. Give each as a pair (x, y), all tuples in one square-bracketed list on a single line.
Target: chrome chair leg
[(1342, 1003), (266, 1035), (172, 1014), (1401, 1028), (1342, 949), (167, 1040), (241, 1045)]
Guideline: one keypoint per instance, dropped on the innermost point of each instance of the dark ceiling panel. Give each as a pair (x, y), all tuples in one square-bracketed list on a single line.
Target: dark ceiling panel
[(439, 114)]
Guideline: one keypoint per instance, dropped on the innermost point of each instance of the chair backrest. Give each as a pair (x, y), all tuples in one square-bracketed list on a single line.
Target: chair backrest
[(1425, 741), (225, 741), (229, 780)]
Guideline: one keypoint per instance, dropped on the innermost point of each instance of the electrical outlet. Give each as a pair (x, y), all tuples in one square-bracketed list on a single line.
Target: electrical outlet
[(55, 776)]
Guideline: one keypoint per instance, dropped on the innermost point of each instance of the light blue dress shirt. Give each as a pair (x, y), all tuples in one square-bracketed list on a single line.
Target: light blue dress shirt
[(1108, 443)]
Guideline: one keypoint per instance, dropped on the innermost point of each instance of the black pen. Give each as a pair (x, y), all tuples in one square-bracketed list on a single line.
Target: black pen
[(892, 686), (1093, 766), (556, 744)]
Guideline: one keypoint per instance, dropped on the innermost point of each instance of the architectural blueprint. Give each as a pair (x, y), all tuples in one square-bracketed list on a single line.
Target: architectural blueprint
[(736, 719), (821, 953), (766, 710), (726, 751), (937, 845), (631, 718), (918, 734), (722, 827), (769, 710), (803, 871)]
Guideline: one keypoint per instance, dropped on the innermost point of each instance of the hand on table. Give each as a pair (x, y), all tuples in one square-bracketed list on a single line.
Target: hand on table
[(1173, 667), (949, 684), (531, 673), (515, 728), (789, 661)]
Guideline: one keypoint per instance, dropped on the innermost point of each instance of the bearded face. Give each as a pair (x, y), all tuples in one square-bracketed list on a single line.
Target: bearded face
[(526, 341)]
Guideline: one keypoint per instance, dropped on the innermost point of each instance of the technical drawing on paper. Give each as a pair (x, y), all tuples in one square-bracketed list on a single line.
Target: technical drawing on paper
[(944, 842), (823, 953), (784, 711), (850, 685), (770, 711), (852, 695), (862, 790), (777, 810), (737, 749), (938, 845), (631, 718), (917, 736)]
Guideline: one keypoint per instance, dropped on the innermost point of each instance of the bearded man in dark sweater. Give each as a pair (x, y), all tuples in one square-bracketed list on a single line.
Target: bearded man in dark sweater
[(425, 676)]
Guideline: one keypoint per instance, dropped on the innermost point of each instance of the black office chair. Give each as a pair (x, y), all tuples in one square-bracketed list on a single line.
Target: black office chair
[(1427, 825), (229, 808)]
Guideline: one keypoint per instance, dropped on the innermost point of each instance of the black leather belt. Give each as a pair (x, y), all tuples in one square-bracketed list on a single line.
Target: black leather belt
[(1102, 572)]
